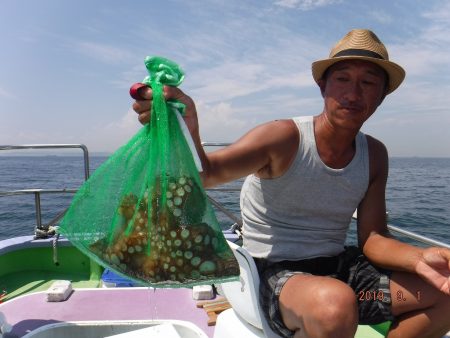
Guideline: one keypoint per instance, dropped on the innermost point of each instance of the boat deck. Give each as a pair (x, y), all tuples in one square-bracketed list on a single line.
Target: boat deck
[(27, 265), (31, 311)]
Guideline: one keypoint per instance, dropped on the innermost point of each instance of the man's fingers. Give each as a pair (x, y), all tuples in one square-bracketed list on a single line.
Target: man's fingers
[(145, 93), (141, 92), (143, 96), (144, 117), (175, 93), (172, 93), (142, 106), (446, 254)]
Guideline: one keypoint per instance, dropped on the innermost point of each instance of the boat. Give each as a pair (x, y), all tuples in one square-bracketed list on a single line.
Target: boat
[(48, 288)]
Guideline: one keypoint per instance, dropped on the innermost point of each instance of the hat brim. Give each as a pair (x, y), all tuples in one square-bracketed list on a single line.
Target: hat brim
[(395, 72)]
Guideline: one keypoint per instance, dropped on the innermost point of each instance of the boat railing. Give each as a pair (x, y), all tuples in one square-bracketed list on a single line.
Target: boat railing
[(45, 230), (417, 237), (236, 227), (42, 230)]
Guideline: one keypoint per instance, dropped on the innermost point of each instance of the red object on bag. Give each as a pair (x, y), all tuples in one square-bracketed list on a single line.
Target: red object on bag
[(134, 91)]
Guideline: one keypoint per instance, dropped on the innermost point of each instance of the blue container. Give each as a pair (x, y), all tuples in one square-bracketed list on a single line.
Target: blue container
[(111, 280)]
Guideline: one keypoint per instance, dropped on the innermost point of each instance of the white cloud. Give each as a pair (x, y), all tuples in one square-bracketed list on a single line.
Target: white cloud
[(425, 53), (134, 74), (228, 81), (245, 62), (381, 16), (266, 68), (102, 52), (112, 135), (6, 94), (437, 32), (9, 136), (305, 5), (441, 13), (221, 122)]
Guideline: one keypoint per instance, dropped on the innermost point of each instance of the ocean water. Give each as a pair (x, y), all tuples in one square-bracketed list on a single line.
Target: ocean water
[(417, 198)]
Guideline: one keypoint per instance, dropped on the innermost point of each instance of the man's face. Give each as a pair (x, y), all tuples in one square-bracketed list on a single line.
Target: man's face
[(352, 92)]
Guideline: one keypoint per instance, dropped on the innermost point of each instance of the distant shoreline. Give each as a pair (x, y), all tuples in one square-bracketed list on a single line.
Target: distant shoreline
[(47, 154)]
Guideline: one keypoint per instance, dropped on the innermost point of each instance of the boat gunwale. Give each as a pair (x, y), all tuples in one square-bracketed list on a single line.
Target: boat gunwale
[(29, 242)]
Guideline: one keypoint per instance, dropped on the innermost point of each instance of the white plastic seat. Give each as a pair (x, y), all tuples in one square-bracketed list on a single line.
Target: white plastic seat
[(230, 325), (245, 319)]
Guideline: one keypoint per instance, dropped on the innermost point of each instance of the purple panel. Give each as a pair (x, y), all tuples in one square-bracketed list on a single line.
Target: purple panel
[(32, 311)]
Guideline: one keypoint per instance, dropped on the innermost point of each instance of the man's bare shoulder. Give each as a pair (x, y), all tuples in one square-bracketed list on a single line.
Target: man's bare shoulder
[(378, 159), (285, 128), (280, 139), (269, 135), (376, 147)]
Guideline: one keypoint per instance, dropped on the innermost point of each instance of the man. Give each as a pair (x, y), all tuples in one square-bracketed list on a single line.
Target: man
[(306, 176)]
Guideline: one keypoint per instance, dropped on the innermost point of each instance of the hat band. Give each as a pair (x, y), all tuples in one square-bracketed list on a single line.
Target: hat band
[(358, 52)]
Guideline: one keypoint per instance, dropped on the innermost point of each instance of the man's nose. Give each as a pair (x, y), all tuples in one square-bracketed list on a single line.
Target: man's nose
[(355, 91)]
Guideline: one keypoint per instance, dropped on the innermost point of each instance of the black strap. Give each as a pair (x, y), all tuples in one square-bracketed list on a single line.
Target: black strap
[(358, 52), (337, 266), (321, 266)]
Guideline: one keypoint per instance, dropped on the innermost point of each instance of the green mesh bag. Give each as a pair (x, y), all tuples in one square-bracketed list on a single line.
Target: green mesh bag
[(144, 213)]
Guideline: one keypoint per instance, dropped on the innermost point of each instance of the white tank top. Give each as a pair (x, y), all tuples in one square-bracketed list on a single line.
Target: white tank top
[(306, 212)]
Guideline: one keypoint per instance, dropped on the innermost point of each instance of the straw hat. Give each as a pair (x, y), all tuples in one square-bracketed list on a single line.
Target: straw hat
[(361, 44)]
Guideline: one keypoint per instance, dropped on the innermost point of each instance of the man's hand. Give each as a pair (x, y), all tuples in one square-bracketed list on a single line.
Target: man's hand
[(434, 267), (143, 104)]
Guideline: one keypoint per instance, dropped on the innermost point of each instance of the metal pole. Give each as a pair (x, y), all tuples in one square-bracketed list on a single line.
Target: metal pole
[(225, 211), (418, 237), (86, 161), (37, 204)]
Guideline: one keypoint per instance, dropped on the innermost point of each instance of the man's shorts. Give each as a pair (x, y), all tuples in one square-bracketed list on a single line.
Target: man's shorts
[(371, 285)]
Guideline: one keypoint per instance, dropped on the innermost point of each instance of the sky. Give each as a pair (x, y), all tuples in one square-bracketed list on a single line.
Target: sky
[(66, 66)]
